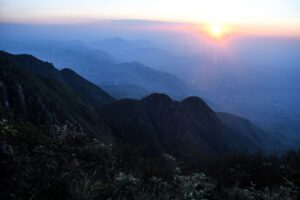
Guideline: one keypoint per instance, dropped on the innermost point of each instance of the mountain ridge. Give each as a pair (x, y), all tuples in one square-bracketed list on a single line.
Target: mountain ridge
[(67, 76), (156, 122)]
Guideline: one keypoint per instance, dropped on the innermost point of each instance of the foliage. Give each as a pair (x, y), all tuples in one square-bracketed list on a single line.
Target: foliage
[(69, 165)]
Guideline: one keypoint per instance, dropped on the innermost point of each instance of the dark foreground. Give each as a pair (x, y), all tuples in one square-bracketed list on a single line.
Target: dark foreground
[(69, 165)]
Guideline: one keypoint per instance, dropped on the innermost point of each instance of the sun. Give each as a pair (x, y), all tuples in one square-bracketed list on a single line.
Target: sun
[(216, 30)]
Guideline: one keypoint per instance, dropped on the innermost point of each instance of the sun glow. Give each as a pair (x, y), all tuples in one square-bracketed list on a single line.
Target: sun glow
[(216, 30)]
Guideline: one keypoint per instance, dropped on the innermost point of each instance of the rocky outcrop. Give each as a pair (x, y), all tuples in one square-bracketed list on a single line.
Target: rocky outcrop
[(19, 97), (3, 96)]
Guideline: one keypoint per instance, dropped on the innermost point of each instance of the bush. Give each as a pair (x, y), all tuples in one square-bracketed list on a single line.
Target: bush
[(69, 165)]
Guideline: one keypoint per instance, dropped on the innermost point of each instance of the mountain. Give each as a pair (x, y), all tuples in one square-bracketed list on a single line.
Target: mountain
[(101, 68), (117, 45), (159, 124), (250, 130), (174, 59), (85, 88), (137, 74), (121, 91), (35, 91), (102, 72)]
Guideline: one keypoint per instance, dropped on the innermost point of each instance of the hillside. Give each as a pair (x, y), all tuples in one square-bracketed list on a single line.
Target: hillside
[(250, 130), (48, 101), (161, 125), (68, 77)]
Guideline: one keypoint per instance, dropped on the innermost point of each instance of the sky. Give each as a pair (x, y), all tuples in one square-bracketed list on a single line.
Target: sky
[(282, 15)]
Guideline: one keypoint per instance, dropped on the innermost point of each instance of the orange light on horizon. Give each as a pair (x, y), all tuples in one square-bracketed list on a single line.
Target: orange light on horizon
[(216, 30)]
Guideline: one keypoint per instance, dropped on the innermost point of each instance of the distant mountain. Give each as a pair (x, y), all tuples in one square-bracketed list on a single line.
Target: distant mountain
[(99, 71), (142, 76), (35, 91), (121, 91), (148, 53), (117, 44), (100, 67)]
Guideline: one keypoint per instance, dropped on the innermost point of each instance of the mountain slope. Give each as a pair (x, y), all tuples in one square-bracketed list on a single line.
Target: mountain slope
[(86, 89), (162, 125), (254, 133), (47, 101)]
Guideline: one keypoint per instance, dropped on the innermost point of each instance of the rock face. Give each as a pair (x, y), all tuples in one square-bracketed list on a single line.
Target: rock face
[(3, 96)]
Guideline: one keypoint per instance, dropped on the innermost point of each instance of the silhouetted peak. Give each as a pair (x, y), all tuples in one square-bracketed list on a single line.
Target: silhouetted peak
[(199, 109), (193, 100), (157, 97), (68, 71), (32, 64), (3, 53), (195, 103), (68, 77)]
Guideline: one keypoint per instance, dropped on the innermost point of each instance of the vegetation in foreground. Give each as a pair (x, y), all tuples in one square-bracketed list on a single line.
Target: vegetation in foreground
[(69, 165)]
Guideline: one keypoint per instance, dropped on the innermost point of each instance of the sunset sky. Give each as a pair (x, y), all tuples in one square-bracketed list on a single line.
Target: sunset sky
[(270, 15)]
